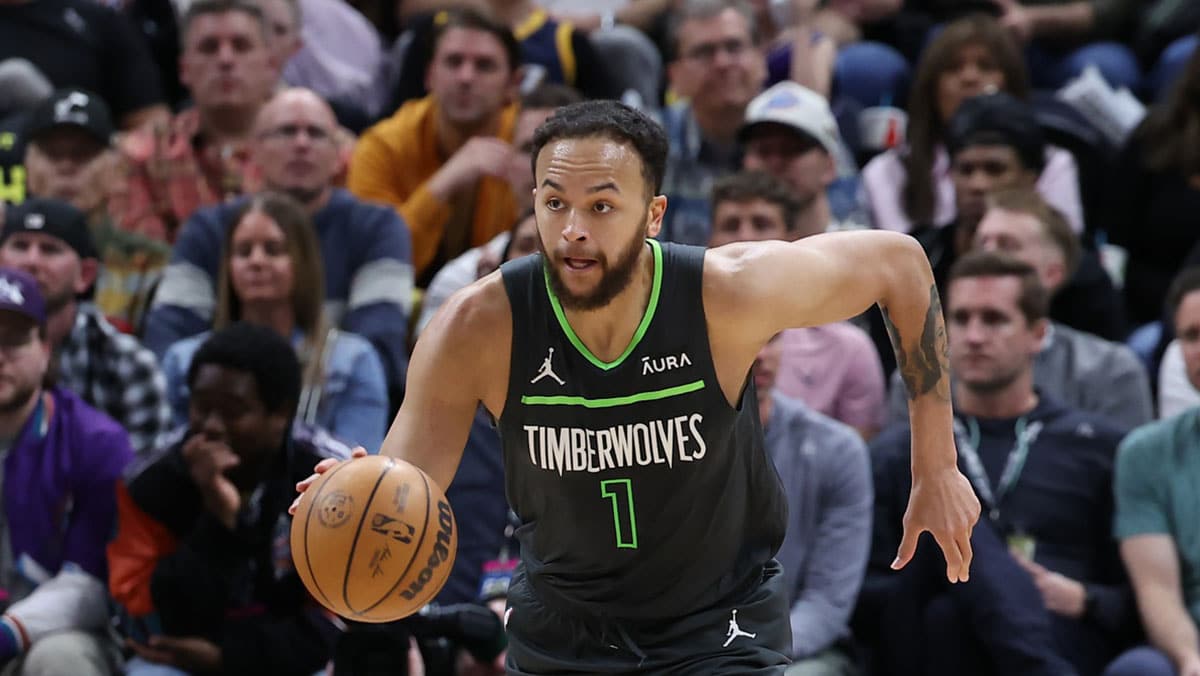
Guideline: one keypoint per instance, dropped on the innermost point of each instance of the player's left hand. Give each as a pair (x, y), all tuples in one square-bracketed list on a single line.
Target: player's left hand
[(943, 503)]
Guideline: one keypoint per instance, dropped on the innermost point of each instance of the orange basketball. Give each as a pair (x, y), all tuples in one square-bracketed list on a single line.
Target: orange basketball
[(374, 539)]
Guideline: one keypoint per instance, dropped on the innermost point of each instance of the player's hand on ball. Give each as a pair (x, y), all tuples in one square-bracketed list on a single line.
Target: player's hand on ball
[(944, 504), (321, 468)]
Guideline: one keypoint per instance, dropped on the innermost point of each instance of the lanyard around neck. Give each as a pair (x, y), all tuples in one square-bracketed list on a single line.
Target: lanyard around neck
[(968, 447)]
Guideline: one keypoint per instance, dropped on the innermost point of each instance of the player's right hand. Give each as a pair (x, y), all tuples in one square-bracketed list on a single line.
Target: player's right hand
[(321, 468)]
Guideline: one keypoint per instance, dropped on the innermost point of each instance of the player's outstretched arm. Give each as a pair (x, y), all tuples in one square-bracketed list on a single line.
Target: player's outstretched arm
[(772, 286)]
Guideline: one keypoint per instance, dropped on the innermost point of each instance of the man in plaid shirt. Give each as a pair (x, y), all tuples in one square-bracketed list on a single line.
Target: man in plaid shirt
[(110, 370)]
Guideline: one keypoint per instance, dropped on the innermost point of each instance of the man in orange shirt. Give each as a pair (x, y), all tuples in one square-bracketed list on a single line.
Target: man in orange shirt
[(446, 161)]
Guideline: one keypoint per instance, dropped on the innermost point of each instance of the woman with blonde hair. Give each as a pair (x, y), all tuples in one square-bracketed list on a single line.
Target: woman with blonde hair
[(271, 274), (910, 188)]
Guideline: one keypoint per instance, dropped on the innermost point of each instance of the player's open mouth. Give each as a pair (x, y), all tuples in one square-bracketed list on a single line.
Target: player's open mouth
[(578, 263)]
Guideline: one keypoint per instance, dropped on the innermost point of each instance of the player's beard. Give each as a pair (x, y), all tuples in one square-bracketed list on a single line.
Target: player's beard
[(613, 279)]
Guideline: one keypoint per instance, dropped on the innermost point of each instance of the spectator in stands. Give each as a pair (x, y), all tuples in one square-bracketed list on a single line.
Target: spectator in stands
[(340, 57), (821, 46), (790, 133), (199, 564), (1043, 473), (271, 275), (716, 69), (365, 248), (1076, 368), (551, 51), (68, 157), (1062, 37), (826, 477), (283, 20), (994, 143), (1176, 393), (1020, 223), (1154, 193), (79, 43), (202, 157), (912, 186), (445, 162), (108, 369), (1156, 511), (61, 466), (620, 31), (536, 107), (833, 368)]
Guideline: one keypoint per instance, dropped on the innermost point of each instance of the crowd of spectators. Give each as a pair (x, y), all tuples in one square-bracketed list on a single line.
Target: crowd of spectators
[(225, 223)]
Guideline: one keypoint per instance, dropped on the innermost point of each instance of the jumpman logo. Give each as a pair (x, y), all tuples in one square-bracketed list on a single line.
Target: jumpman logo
[(547, 369), (735, 631)]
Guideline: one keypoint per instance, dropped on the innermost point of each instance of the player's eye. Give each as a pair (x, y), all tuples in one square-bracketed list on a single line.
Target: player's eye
[(554, 204), (602, 207)]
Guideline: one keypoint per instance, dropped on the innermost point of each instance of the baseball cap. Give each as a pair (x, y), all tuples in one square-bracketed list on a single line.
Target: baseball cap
[(72, 107), (19, 293), (998, 119), (52, 217), (798, 107)]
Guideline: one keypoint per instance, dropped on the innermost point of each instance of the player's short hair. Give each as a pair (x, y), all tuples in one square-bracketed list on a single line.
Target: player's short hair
[(1186, 282), (1033, 300), (262, 353), (201, 8), (614, 121), (747, 186), (1054, 225), (471, 19), (698, 10)]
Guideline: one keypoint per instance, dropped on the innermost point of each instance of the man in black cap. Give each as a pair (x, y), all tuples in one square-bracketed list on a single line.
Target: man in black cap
[(68, 157), (110, 370)]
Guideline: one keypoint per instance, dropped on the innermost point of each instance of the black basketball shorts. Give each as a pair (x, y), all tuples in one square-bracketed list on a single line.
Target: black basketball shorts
[(749, 636)]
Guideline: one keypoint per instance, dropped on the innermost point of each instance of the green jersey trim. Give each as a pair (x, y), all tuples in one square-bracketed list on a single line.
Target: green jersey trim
[(610, 402), (647, 316)]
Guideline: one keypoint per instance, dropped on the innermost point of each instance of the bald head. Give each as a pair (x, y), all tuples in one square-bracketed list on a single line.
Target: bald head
[(295, 98), (296, 145)]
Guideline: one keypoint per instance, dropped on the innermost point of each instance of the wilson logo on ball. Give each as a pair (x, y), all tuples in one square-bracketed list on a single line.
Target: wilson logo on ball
[(441, 551)]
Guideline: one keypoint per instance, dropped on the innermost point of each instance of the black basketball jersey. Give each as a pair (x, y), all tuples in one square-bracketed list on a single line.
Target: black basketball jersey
[(642, 494)]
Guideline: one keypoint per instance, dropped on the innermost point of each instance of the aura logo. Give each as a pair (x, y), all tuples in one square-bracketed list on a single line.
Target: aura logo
[(668, 363)]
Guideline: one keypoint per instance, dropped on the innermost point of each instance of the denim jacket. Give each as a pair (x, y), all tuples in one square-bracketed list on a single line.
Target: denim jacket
[(353, 403)]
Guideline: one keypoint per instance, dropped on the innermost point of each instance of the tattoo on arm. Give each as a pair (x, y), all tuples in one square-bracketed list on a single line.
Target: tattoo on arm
[(926, 366)]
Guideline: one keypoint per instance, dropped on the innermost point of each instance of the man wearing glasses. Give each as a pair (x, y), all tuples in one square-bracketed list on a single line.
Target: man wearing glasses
[(718, 67)]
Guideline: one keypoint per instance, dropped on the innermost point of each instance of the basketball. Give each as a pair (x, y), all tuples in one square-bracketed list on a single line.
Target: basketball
[(374, 539)]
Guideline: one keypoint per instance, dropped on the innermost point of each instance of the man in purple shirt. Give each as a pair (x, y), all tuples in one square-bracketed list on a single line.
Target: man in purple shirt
[(60, 463)]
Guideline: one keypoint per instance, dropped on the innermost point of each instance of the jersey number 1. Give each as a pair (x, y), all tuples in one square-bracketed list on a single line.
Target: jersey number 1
[(620, 491)]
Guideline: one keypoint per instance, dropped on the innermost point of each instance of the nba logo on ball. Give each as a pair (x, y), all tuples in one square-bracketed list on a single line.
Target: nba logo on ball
[(374, 539)]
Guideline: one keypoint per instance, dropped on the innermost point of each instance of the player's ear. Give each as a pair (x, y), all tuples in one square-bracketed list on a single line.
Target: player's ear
[(655, 212)]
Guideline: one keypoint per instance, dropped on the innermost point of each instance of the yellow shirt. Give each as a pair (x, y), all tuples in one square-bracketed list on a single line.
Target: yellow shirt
[(393, 162)]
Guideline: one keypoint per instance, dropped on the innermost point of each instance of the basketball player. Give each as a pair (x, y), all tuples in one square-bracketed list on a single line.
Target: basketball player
[(617, 368)]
